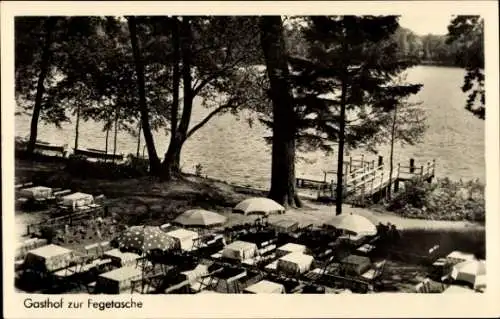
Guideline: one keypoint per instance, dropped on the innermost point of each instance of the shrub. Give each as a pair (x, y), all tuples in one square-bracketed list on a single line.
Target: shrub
[(79, 166), (198, 169), (442, 200), (48, 233)]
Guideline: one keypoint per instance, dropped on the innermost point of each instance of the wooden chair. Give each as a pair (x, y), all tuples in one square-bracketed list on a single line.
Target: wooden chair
[(375, 272), (424, 286), (97, 249)]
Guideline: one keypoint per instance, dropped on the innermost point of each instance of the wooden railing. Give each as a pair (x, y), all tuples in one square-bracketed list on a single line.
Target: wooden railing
[(424, 171), (369, 178)]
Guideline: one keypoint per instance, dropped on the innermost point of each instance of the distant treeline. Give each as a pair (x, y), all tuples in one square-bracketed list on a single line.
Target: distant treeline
[(427, 50)]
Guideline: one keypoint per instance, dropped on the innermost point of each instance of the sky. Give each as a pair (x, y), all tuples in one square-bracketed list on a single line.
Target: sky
[(434, 23)]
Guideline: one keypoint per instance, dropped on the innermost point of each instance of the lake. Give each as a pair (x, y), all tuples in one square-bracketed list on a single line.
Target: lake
[(231, 150)]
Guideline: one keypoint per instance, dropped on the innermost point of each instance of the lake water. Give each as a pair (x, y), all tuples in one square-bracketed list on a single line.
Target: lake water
[(231, 150)]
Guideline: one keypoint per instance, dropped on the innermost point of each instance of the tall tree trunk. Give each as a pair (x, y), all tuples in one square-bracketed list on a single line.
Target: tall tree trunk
[(137, 153), (77, 126), (283, 147), (115, 138), (154, 161), (176, 79), (40, 88), (107, 142), (391, 156), (340, 158), (171, 164)]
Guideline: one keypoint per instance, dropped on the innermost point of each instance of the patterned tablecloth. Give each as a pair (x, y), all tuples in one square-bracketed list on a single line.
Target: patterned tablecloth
[(118, 280), (24, 247), (122, 259), (36, 192), (49, 258)]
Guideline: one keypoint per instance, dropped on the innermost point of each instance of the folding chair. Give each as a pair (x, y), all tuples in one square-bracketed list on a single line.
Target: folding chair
[(92, 249)]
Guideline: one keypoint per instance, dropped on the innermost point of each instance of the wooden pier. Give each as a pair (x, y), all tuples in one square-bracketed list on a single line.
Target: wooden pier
[(367, 180)]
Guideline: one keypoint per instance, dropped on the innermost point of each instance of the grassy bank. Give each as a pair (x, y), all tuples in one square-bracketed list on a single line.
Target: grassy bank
[(139, 197)]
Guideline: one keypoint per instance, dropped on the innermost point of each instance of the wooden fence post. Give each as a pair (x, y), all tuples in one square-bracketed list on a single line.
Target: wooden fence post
[(380, 161), (396, 181), (412, 165), (362, 160), (421, 170), (381, 180), (350, 164)]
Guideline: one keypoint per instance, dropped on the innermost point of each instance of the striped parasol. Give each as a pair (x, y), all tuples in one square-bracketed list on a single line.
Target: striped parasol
[(145, 238)]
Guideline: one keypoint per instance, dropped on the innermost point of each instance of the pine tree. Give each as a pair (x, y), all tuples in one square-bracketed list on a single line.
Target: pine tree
[(344, 85)]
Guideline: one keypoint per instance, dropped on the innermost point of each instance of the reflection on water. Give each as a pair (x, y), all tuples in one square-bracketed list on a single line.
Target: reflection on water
[(231, 150)]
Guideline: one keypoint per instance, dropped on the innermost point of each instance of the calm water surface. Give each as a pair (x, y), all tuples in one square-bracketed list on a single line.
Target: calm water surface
[(231, 150)]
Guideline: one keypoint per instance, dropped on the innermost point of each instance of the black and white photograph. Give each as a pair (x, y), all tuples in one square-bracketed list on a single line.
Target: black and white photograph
[(182, 154)]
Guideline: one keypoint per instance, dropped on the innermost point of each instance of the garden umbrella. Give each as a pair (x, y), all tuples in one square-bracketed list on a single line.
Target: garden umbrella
[(354, 223), (471, 271), (200, 217), (145, 238), (259, 205)]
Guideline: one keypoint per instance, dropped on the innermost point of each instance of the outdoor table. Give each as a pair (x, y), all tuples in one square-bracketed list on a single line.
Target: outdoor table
[(48, 258), (272, 266), (228, 276), (290, 248), (77, 201), (117, 280), (265, 287), (122, 259), (294, 263), (240, 250), (352, 239), (36, 192), (356, 264), (24, 247), (456, 257), (365, 249), (196, 273), (284, 226), (185, 238), (439, 267)]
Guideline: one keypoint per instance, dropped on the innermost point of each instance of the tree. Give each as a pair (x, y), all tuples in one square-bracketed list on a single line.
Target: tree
[(467, 33), (171, 162), (26, 50), (139, 68), (406, 121), (342, 88), (215, 53), (46, 48), (283, 140)]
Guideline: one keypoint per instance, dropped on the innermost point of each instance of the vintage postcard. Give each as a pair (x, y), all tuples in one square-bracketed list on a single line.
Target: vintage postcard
[(250, 159)]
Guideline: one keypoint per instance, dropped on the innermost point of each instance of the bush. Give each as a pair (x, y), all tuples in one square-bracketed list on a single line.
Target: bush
[(48, 233), (79, 166), (443, 200)]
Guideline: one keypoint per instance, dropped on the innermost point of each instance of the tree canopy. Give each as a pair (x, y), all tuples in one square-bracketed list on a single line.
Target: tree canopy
[(467, 33)]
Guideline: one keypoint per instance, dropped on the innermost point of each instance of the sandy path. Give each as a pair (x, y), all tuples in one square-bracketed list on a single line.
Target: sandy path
[(318, 214)]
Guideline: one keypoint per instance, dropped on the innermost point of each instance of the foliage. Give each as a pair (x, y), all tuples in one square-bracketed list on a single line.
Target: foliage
[(78, 166), (419, 241), (198, 169), (356, 52), (406, 123), (467, 32), (443, 200), (49, 233)]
